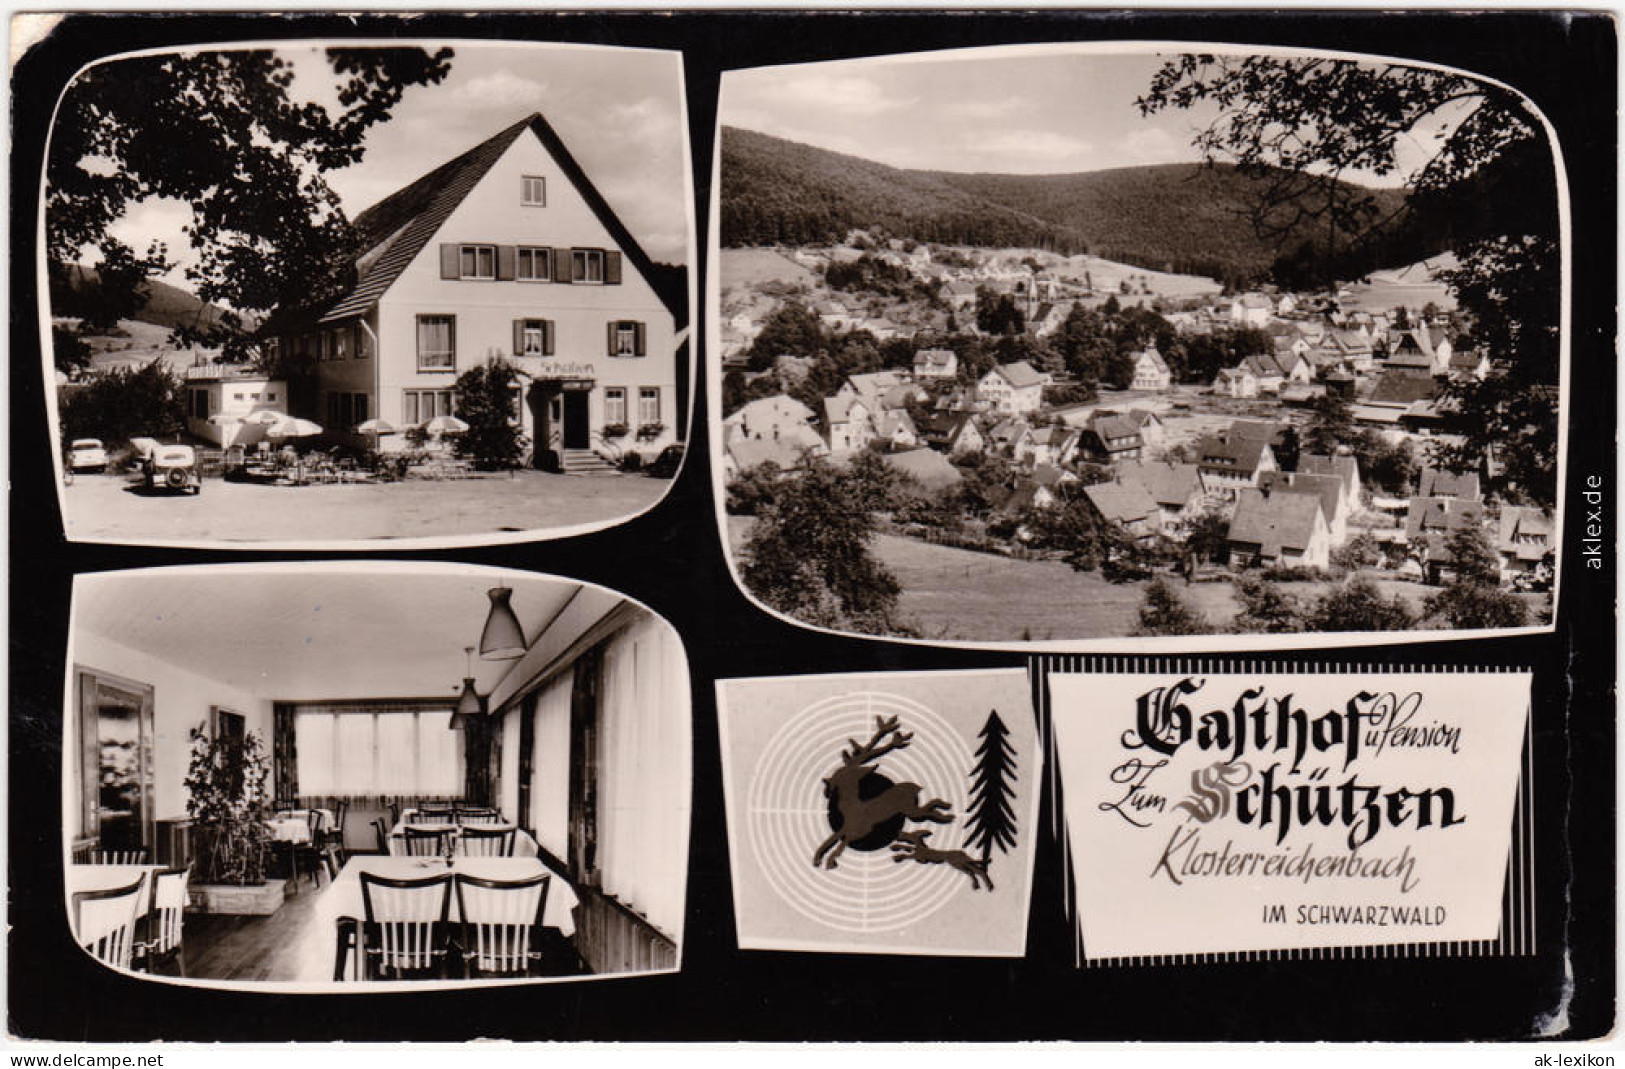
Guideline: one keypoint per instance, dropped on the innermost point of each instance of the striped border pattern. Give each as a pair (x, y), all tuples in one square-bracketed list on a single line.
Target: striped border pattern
[(1517, 935)]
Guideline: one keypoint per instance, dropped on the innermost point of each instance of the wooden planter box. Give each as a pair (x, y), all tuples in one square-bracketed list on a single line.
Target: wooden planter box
[(254, 900)]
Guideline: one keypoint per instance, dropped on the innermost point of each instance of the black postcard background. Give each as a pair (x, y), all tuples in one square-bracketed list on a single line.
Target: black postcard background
[(672, 559)]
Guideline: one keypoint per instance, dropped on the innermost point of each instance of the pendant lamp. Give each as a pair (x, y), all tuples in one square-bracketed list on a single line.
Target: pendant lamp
[(503, 639), (468, 706)]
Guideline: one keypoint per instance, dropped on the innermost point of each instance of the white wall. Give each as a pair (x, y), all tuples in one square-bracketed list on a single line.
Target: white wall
[(181, 701), (485, 310)]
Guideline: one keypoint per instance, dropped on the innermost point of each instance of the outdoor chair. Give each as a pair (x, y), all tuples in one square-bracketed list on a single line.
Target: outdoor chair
[(161, 942), (501, 924), (404, 933), (479, 841), (425, 842), (104, 921)]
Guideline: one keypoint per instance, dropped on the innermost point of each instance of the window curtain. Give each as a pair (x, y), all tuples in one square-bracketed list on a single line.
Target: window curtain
[(643, 815), (284, 750), (365, 749), (550, 767), (509, 792)]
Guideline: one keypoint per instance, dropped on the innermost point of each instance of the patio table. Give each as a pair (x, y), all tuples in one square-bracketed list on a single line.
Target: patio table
[(340, 906)]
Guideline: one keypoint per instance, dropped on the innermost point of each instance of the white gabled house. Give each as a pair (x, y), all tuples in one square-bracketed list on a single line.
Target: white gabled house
[(507, 252), (1151, 371), (1014, 389)]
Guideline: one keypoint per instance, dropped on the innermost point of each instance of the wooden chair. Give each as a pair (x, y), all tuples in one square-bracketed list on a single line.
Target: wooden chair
[(333, 838), (479, 816), (425, 842), (479, 841), (404, 933), (104, 921), (437, 812), (313, 850), (382, 833), (118, 857), (394, 813), (501, 924), (161, 942)]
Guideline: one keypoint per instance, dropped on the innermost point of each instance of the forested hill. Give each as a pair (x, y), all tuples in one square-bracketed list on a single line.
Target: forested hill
[(166, 306), (1179, 217)]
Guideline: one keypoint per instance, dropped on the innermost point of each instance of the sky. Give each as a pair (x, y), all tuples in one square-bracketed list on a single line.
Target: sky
[(619, 111), (1006, 111)]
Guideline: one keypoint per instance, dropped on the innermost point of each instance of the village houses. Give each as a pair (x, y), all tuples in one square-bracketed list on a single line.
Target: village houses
[(1014, 389)]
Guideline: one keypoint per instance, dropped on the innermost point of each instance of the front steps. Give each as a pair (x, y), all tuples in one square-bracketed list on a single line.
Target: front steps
[(586, 462)]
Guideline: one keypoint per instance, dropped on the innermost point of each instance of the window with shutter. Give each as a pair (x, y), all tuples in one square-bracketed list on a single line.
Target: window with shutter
[(532, 337), (626, 338), (533, 264), (612, 267), (587, 266), (477, 262)]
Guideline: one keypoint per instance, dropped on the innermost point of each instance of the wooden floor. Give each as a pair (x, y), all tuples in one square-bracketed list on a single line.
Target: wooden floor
[(288, 945)]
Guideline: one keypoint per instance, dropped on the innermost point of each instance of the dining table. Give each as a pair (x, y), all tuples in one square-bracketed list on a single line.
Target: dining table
[(339, 909), (293, 825), (524, 844)]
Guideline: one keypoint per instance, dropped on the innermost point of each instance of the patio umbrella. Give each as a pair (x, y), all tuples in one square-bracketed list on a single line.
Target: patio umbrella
[(375, 426), (292, 427), (443, 425), (224, 419), (267, 417)]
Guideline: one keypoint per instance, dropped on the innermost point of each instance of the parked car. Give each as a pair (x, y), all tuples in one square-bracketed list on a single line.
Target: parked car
[(174, 467), (87, 454)]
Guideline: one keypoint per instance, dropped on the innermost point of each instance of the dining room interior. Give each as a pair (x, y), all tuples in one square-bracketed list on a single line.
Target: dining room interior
[(349, 773)]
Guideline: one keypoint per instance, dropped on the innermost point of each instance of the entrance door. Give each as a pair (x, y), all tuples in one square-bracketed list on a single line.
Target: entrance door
[(115, 761), (577, 435)]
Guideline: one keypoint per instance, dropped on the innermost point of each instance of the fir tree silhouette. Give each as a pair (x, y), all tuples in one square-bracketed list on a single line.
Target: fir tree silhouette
[(992, 822)]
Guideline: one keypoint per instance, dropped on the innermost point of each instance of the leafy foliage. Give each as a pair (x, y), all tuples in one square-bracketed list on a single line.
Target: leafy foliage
[(1164, 612), (123, 403), (485, 400), (1265, 608), (226, 799), (1488, 189), (1474, 598), (218, 131), (808, 555), (1358, 605)]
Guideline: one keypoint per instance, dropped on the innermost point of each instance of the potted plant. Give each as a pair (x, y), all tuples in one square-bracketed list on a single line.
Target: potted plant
[(225, 797), (648, 432), (614, 430)]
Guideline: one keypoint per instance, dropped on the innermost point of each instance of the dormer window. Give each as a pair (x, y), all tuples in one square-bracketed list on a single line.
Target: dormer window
[(533, 191), (477, 261)]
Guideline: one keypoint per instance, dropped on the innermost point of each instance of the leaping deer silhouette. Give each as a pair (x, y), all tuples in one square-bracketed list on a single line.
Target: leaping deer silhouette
[(868, 811)]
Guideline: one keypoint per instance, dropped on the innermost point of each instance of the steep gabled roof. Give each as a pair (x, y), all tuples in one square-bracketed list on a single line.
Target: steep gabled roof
[(1232, 455), (1399, 387), (397, 228), (1273, 521), (1329, 488), (1121, 502), (1019, 374), (1436, 482), (1440, 514), (1342, 465), (1170, 485), (931, 468)]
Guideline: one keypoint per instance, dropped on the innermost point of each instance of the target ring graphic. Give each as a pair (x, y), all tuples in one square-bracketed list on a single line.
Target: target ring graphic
[(787, 816)]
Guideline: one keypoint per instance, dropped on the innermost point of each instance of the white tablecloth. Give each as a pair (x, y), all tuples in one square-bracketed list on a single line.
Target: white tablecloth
[(293, 826), (524, 844), (342, 898)]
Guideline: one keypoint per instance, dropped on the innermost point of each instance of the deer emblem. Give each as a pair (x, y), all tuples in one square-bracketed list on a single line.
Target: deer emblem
[(866, 809), (911, 846)]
